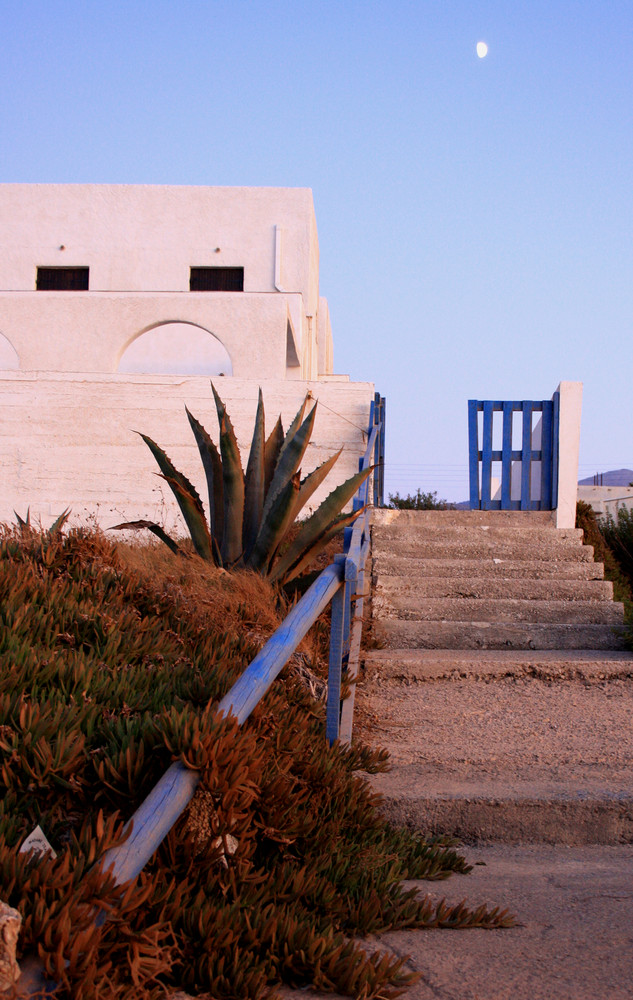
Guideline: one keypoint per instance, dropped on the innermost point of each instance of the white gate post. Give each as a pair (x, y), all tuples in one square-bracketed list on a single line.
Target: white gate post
[(568, 449)]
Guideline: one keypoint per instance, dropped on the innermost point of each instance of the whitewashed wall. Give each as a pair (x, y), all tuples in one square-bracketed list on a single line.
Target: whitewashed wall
[(67, 438), (70, 400), (139, 243), (89, 331)]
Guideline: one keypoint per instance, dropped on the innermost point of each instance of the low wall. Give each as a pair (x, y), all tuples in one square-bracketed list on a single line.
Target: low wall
[(607, 499), (67, 439)]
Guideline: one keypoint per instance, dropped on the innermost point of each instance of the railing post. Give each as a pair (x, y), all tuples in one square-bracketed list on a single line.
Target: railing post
[(379, 452), (353, 658), (340, 614)]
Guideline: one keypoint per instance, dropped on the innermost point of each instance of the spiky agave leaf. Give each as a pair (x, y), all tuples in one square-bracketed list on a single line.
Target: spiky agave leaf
[(193, 513), (188, 500), (321, 521), (279, 446), (271, 453), (254, 482), (313, 481), (290, 456), (212, 465), (233, 480), (284, 571), (22, 522), (59, 522), (274, 526), (155, 529), (294, 426)]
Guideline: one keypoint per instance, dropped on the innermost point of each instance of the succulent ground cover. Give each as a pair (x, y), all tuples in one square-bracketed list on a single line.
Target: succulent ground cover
[(111, 662)]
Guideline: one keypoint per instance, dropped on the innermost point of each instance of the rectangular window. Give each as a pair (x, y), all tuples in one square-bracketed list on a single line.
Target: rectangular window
[(62, 279), (216, 279)]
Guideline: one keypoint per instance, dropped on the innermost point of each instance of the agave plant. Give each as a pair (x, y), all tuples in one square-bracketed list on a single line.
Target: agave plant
[(25, 526), (250, 513)]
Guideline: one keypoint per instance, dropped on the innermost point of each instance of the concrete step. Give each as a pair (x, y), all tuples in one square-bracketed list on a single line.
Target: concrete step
[(516, 759), (410, 608), (490, 587), (406, 667), (574, 911), (386, 564), (398, 634), (534, 535), (476, 809), (470, 547), (469, 518)]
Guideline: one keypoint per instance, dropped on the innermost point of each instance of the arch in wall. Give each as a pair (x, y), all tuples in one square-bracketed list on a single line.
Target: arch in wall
[(175, 347), (9, 360)]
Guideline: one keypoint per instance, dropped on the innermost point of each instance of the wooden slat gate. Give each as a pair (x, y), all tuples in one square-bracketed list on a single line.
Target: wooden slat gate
[(526, 476)]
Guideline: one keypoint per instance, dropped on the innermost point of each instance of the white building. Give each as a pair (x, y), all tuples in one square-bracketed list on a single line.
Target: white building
[(117, 303)]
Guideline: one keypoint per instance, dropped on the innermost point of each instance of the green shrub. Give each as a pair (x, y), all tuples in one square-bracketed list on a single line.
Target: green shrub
[(418, 501), (612, 540), (618, 534), (596, 533)]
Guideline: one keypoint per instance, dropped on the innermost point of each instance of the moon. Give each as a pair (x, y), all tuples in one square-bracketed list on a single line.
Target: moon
[(482, 50)]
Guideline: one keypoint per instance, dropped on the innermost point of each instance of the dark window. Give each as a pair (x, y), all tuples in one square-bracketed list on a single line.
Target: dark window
[(62, 279), (216, 279)]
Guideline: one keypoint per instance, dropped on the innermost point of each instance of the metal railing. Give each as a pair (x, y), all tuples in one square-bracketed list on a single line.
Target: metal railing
[(342, 583)]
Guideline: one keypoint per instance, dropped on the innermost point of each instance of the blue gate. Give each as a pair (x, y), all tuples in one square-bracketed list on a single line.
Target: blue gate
[(527, 475)]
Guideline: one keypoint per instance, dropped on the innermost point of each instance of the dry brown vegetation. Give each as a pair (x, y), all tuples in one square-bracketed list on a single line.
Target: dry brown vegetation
[(112, 659)]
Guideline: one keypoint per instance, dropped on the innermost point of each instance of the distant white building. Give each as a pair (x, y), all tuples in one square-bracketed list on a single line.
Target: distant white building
[(117, 302)]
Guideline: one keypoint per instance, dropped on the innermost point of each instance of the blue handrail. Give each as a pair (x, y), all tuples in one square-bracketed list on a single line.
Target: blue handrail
[(157, 814), (341, 583)]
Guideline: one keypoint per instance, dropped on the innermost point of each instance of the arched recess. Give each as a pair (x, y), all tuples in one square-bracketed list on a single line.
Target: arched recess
[(176, 348), (9, 360)]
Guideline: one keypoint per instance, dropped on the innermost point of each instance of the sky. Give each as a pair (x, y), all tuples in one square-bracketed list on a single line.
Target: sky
[(475, 216)]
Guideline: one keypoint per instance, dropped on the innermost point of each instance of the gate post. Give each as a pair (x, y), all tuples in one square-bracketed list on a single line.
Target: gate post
[(570, 406)]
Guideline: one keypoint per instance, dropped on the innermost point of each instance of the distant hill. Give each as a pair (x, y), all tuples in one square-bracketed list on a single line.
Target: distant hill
[(617, 477)]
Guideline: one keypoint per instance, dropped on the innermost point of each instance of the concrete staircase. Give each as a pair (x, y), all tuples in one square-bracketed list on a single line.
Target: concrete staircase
[(502, 687)]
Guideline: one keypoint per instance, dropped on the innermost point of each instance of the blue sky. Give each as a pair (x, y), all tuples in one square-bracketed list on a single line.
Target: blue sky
[(475, 215)]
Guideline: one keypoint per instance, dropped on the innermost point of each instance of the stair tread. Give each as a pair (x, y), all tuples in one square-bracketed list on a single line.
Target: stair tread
[(513, 759), (386, 564), (485, 548), (525, 519), (490, 587), (406, 666), (399, 633), (537, 533), (434, 781), (408, 607)]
